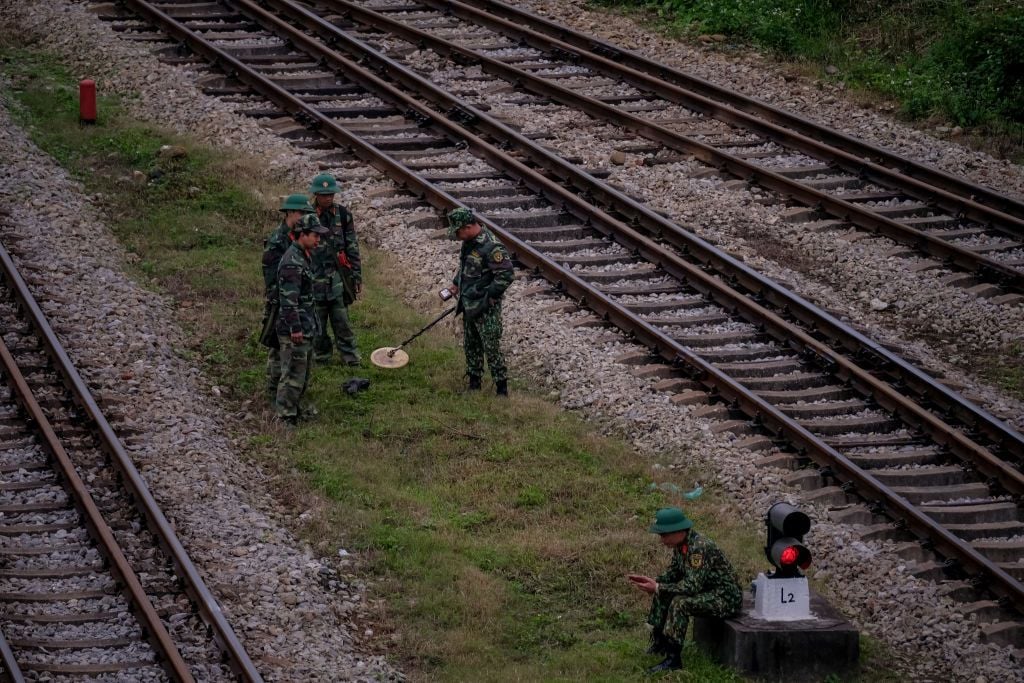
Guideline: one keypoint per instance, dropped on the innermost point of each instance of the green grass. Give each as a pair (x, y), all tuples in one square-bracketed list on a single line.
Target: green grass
[(1005, 370), (506, 526), (192, 222), (962, 60), (498, 532)]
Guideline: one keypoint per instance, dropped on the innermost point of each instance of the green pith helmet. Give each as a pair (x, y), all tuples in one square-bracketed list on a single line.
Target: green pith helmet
[(297, 202), (458, 218), (669, 520), (310, 223), (324, 184)]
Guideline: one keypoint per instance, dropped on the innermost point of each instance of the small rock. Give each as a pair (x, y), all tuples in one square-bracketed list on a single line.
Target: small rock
[(617, 157), (172, 152), (718, 38), (831, 69), (878, 305), (139, 178), (956, 132)]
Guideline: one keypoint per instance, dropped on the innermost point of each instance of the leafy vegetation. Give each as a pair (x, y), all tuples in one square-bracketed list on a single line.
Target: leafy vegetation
[(961, 59)]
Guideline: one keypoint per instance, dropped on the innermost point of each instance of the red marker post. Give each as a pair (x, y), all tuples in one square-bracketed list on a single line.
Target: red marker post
[(87, 101)]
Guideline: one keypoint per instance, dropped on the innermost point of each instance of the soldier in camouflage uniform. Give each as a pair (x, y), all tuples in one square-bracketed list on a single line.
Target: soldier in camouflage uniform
[(294, 208), (337, 272), (485, 272), (698, 582), (296, 323)]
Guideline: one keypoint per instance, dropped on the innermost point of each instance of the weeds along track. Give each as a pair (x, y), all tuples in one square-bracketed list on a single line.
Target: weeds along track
[(872, 437), (93, 581)]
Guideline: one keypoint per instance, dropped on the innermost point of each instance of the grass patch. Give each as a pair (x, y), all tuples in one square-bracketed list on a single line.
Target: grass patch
[(499, 532), (961, 60), (1006, 370), (188, 216), (503, 528)]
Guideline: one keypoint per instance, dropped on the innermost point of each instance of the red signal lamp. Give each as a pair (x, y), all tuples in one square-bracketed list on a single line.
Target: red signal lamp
[(786, 527)]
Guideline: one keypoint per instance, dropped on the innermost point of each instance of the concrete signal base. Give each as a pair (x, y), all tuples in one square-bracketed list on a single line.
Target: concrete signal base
[(791, 651)]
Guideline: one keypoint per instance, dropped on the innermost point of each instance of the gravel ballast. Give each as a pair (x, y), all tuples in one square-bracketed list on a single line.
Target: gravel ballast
[(864, 279), (294, 612), (272, 592), (823, 101)]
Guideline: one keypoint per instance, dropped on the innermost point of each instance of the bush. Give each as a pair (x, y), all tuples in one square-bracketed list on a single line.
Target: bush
[(960, 58)]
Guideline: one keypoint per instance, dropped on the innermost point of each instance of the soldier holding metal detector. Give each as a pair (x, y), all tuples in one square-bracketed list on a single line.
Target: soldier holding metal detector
[(485, 272)]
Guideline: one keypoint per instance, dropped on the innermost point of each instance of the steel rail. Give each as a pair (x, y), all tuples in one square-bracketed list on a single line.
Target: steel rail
[(917, 380), (132, 480), (983, 267), (943, 540), (119, 565), (950, 191), (12, 671)]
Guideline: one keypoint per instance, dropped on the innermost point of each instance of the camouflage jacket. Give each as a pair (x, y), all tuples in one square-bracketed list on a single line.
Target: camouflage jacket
[(485, 272), (698, 567), (295, 291), (273, 249), (336, 248)]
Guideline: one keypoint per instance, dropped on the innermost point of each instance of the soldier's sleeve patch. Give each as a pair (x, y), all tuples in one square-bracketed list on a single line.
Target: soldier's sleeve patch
[(697, 560), (498, 257)]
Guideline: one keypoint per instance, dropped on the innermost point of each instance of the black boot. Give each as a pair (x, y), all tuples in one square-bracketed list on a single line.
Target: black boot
[(502, 387), (659, 645), (673, 659), (474, 383)]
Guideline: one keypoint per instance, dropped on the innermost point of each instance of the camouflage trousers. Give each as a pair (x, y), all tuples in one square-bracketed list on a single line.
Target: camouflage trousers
[(273, 374), (670, 614), (296, 363), (482, 339), (333, 315)]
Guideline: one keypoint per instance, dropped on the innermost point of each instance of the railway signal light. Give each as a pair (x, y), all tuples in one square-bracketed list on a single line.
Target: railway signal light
[(785, 547)]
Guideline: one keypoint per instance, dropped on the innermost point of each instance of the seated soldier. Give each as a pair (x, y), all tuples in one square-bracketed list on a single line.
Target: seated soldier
[(698, 582)]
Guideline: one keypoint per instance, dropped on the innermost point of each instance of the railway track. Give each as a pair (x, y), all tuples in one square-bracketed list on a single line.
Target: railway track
[(881, 443), (829, 187), (93, 581), (938, 180)]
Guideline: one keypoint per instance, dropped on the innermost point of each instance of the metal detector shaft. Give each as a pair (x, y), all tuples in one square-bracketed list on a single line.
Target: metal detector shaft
[(429, 325)]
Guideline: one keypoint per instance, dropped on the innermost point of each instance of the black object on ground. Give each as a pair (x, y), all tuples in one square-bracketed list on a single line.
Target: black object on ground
[(355, 385)]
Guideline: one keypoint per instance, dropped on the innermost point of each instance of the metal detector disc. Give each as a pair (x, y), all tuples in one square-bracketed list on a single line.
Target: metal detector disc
[(383, 358)]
